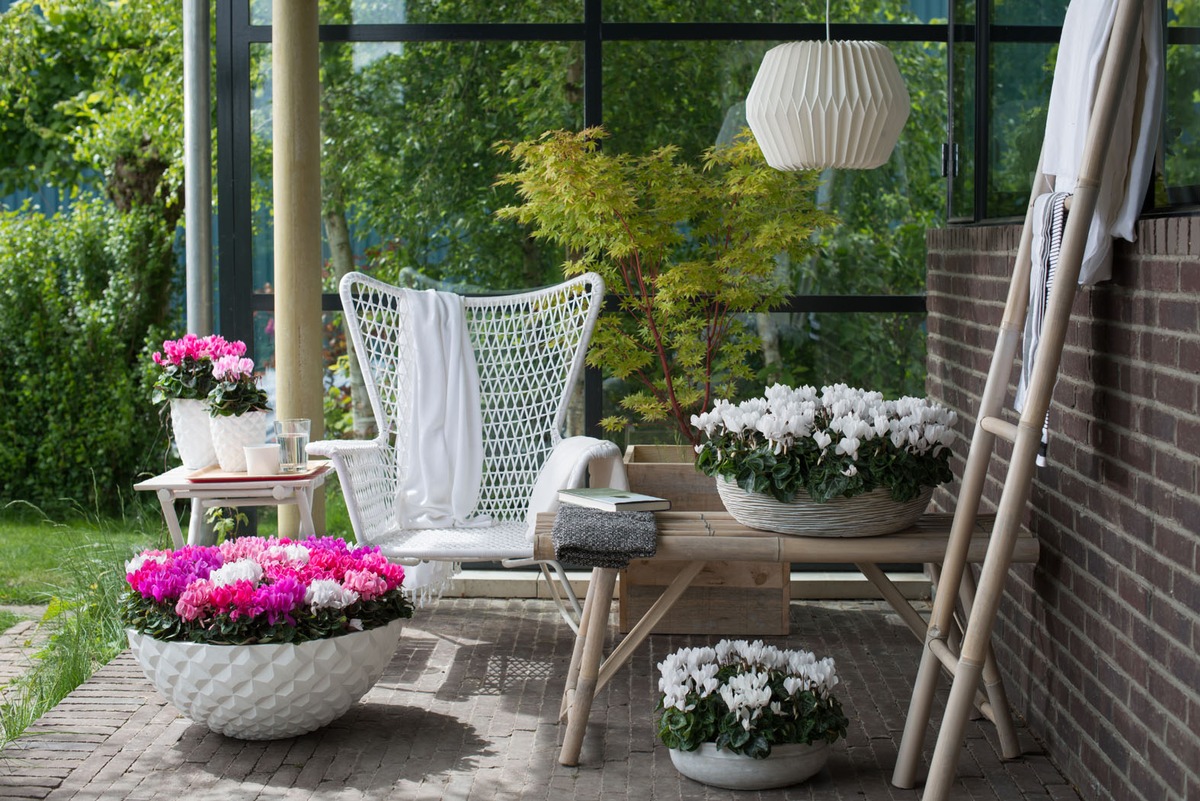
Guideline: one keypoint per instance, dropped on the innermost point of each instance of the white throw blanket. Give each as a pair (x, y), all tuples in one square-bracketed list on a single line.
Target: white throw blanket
[(439, 486), (1130, 159), (441, 463)]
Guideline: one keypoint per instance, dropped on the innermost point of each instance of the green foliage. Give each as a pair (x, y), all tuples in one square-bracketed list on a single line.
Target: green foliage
[(231, 398), (92, 87), (687, 250), (78, 294), (160, 621)]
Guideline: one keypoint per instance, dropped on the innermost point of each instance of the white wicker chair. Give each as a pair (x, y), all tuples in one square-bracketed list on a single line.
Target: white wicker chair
[(529, 349)]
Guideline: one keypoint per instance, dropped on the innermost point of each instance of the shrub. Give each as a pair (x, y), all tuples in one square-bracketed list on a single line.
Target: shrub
[(79, 293)]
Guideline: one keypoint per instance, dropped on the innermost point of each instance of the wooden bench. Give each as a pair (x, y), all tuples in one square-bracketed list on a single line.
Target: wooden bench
[(692, 539)]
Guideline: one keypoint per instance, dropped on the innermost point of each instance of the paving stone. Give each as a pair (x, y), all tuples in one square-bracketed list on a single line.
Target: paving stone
[(468, 710)]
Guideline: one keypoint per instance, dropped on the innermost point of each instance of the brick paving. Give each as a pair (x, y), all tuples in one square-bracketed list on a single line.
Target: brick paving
[(467, 710)]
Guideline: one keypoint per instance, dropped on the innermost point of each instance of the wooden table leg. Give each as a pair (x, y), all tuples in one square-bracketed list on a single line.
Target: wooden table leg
[(166, 499), (579, 706), (577, 651)]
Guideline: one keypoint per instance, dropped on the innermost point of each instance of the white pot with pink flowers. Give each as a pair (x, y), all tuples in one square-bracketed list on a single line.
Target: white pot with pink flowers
[(239, 411), (262, 638)]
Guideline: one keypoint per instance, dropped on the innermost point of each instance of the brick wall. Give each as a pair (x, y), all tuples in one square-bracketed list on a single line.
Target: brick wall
[(1099, 640)]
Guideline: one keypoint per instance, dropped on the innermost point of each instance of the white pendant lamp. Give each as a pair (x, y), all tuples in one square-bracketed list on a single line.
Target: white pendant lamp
[(815, 105)]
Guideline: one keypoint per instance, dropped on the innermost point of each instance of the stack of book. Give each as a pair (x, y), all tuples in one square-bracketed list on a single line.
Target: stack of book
[(608, 499)]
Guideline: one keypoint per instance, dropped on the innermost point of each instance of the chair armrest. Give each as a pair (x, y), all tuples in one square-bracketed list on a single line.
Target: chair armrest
[(567, 468), (366, 470)]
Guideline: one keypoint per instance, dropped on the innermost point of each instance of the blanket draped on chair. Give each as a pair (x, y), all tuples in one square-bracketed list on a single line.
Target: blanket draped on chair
[(441, 466)]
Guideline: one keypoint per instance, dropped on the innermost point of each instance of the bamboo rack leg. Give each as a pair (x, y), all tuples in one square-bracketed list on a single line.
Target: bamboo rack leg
[(577, 651), (580, 706), (977, 637), (941, 620), (993, 682)]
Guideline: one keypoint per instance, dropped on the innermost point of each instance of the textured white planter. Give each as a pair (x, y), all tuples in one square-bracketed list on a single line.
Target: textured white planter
[(267, 692), (790, 763), (189, 421), (231, 434), (868, 515)]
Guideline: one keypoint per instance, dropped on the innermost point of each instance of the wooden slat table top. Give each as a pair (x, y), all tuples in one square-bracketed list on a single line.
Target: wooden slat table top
[(688, 536)]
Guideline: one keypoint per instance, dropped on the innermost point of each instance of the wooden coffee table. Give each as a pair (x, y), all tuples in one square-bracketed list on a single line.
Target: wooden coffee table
[(692, 539)]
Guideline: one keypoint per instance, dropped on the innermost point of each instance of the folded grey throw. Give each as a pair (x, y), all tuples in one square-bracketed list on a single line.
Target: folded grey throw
[(594, 538)]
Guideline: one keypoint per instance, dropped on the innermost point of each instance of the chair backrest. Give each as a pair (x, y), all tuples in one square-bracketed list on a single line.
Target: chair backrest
[(529, 350)]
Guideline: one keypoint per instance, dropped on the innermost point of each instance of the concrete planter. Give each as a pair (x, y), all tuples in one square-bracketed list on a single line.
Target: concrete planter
[(788, 764)]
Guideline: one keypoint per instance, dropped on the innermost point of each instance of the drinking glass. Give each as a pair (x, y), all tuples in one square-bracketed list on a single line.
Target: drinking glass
[(293, 444)]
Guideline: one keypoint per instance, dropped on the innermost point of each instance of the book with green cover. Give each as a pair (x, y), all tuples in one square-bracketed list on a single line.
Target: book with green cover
[(613, 500)]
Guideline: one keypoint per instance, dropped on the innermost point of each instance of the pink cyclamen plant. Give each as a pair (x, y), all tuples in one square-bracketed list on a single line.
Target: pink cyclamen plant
[(186, 365), (259, 590)]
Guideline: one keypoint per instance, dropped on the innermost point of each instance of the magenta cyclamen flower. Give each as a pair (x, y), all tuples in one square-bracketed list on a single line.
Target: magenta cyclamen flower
[(245, 589)]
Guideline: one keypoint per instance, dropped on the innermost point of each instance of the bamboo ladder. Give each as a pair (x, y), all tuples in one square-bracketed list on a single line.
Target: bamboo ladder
[(972, 659)]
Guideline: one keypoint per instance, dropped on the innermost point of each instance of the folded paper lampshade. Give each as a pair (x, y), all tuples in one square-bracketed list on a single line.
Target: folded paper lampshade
[(827, 104)]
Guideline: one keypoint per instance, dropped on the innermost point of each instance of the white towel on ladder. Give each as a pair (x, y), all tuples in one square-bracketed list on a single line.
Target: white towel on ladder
[(1130, 162), (1048, 214)]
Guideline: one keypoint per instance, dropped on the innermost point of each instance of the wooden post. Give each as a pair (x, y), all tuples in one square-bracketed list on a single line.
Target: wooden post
[(297, 199)]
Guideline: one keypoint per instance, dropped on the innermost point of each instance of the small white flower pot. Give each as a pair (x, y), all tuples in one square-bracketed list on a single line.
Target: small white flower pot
[(232, 433), (267, 692), (193, 437), (789, 763)]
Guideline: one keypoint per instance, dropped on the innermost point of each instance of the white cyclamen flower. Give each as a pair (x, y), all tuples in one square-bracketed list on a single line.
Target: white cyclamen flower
[(328, 594), (848, 446), (241, 570), (135, 564)]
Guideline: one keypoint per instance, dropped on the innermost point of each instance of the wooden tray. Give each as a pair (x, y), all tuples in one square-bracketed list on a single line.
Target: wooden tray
[(213, 474)]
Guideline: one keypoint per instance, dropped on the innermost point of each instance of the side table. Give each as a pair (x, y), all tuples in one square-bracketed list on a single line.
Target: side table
[(209, 487)]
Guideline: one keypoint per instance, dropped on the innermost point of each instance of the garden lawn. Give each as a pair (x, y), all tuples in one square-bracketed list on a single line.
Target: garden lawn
[(34, 551)]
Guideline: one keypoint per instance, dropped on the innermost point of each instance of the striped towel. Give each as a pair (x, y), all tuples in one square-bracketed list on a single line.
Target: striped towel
[(1048, 214)]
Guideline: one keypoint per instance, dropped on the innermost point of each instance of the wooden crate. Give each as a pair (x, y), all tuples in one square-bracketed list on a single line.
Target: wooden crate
[(728, 598)]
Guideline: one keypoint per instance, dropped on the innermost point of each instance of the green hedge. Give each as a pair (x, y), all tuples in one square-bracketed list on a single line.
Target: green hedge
[(79, 293)]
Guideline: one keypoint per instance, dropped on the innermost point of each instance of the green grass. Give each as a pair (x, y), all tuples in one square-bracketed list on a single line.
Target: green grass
[(34, 551), (8, 620), (77, 569)]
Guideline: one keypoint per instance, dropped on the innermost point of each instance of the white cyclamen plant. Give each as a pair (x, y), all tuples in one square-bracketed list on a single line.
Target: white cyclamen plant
[(746, 697), (836, 441)]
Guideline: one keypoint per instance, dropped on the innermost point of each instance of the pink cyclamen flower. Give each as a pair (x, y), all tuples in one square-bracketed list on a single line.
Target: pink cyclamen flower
[(368, 585), (232, 368), (195, 599)]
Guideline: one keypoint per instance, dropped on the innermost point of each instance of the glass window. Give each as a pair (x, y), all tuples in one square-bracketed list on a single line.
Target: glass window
[(1021, 75), (1028, 12), (398, 12), (409, 160), (789, 11), (1181, 117)]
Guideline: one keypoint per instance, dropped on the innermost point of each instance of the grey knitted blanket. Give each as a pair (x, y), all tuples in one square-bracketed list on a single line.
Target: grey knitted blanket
[(594, 538)]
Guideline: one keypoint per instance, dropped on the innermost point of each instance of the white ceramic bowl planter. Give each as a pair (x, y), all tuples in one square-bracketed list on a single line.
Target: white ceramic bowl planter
[(789, 763), (266, 692)]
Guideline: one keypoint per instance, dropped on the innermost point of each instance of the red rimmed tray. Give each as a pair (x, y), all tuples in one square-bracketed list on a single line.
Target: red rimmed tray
[(213, 474)]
